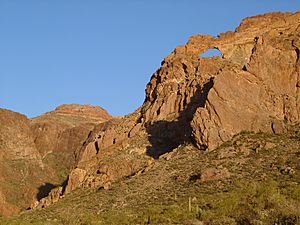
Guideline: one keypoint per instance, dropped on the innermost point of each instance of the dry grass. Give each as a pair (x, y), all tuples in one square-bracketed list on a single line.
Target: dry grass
[(263, 188)]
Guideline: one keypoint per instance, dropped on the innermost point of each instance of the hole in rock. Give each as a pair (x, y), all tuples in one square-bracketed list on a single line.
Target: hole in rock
[(211, 53), (97, 147)]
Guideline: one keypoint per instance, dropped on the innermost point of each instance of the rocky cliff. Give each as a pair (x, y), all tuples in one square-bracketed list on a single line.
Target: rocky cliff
[(254, 87)]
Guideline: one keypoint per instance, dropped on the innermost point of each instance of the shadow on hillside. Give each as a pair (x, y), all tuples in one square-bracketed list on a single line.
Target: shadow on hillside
[(44, 190), (165, 136)]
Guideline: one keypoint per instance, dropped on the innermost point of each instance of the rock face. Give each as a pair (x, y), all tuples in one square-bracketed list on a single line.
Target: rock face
[(260, 89), (59, 133), (253, 87), (37, 154)]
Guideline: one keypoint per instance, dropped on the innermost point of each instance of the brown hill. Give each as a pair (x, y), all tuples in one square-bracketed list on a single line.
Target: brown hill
[(91, 113), (37, 154), (21, 168), (59, 133)]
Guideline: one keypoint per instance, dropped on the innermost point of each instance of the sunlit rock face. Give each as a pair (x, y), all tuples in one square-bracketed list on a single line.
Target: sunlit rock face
[(252, 87)]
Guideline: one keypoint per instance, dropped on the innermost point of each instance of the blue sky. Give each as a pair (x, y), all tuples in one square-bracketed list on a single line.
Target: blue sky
[(101, 52)]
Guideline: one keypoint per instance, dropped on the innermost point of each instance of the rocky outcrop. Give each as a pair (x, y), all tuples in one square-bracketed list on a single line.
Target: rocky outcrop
[(253, 87), (109, 134), (210, 174), (104, 168), (205, 101), (260, 93), (54, 195)]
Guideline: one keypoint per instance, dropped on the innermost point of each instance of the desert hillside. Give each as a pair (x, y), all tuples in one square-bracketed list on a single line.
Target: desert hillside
[(216, 141)]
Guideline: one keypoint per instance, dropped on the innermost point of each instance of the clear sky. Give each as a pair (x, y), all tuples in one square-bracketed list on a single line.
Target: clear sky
[(102, 52)]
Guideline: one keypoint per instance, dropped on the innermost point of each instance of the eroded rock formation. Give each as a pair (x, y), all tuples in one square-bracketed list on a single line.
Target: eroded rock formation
[(259, 91), (253, 87)]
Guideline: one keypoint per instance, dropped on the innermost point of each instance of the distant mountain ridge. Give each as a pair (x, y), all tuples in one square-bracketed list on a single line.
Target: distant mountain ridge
[(36, 154)]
